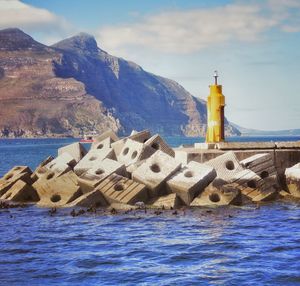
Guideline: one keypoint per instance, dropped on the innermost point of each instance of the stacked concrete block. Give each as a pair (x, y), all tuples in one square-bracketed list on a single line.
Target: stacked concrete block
[(87, 200), (11, 177), (103, 145), (58, 191), (218, 193), (226, 166), (191, 180), (109, 134), (157, 143), (155, 171), (118, 189), (92, 159), (170, 201), (41, 169), (93, 177), (133, 152), (21, 192), (75, 150), (292, 175), (140, 137)]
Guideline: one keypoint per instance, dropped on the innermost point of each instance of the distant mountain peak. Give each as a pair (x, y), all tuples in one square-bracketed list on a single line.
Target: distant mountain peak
[(13, 39), (80, 43)]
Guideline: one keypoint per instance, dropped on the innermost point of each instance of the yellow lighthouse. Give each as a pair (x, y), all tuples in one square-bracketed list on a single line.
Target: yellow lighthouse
[(215, 113)]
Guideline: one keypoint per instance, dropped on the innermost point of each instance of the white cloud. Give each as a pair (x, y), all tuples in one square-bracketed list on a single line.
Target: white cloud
[(189, 31), (14, 13)]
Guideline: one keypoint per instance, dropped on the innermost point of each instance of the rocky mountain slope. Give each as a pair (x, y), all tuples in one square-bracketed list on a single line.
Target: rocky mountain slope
[(74, 87)]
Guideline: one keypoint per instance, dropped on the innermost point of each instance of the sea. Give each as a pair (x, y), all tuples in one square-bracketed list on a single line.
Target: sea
[(250, 245)]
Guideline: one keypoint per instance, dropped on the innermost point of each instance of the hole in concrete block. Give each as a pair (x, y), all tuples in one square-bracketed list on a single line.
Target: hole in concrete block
[(145, 140), (125, 151), (251, 184), (100, 146), (50, 176), (55, 198), (41, 170), (99, 172), (118, 187), (188, 174), (8, 177), (93, 158), (155, 168), (214, 197), (134, 154), (264, 174), (155, 146), (229, 165), (51, 165)]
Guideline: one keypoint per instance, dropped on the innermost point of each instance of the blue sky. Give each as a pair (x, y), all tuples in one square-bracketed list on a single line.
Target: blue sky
[(254, 45)]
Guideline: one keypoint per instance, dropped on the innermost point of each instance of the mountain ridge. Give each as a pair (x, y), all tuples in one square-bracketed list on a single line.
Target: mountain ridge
[(73, 87)]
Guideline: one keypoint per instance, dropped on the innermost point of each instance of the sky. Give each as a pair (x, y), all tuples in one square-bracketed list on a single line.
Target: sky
[(254, 45)]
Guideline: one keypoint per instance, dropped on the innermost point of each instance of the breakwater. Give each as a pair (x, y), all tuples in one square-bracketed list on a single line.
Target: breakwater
[(142, 171)]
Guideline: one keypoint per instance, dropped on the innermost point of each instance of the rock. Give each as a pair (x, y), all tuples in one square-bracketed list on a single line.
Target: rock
[(17, 173), (121, 207), (75, 150), (226, 166), (155, 171), (157, 143), (92, 159), (21, 192), (171, 201), (117, 189), (188, 182), (218, 193), (87, 200), (133, 152), (58, 191), (292, 175), (93, 177)]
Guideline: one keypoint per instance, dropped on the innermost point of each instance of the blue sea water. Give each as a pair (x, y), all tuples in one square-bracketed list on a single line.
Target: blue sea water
[(225, 246)]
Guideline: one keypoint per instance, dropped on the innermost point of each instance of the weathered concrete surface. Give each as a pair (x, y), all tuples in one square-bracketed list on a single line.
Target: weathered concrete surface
[(157, 143), (89, 180), (155, 171), (39, 171), (92, 159), (171, 201), (59, 191), (288, 145), (218, 193), (117, 189), (11, 177), (75, 150), (21, 192), (245, 145), (293, 180), (91, 199), (109, 134), (133, 152), (188, 182), (226, 166)]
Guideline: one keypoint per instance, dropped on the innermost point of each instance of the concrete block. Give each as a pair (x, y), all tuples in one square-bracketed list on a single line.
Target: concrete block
[(188, 182), (181, 156), (292, 175), (87, 200), (61, 160), (75, 150), (109, 134), (155, 171), (157, 143), (117, 189), (171, 201), (133, 152), (266, 195), (218, 193), (59, 191), (17, 173), (226, 166), (39, 171), (205, 146), (92, 159), (141, 136), (245, 145), (103, 145), (21, 192), (91, 179)]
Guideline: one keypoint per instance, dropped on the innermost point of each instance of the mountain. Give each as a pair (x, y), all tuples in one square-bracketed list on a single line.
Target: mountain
[(74, 87), (254, 132)]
